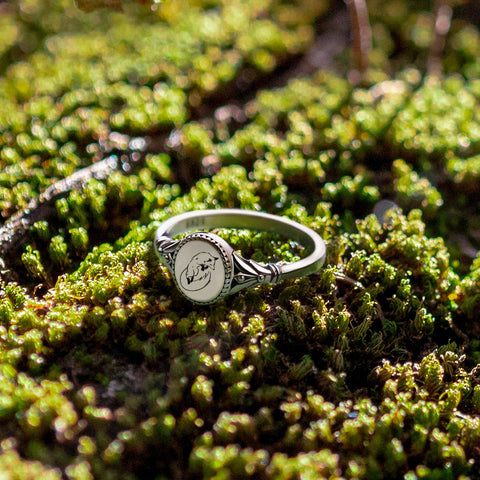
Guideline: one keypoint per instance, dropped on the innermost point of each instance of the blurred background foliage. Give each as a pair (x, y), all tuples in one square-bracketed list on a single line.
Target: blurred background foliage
[(369, 369)]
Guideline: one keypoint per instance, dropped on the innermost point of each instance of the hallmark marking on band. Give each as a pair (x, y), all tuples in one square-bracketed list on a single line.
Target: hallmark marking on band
[(195, 222)]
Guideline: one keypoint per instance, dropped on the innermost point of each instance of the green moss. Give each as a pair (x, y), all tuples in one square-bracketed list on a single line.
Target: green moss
[(368, 369)]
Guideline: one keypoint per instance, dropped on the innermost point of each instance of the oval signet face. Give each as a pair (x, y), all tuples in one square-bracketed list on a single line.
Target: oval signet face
[(199, 270)]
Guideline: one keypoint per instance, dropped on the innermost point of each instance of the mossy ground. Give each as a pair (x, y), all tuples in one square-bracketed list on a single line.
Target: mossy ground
[(107, 372)]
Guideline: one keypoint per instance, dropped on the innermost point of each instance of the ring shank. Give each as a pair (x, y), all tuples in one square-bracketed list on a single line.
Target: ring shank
[(252, 220)]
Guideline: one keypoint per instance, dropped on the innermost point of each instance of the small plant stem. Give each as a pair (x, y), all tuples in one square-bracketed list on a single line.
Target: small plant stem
[(361, 38), (443, 21), (339, 276)]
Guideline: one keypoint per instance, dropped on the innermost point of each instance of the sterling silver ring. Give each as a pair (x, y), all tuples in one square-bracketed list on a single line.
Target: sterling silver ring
[(206, 268)]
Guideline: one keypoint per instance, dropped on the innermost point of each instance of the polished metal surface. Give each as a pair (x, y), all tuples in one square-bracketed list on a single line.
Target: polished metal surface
[(205, 268)]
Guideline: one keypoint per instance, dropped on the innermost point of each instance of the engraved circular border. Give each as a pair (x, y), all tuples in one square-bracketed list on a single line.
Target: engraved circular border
[(226, 259)]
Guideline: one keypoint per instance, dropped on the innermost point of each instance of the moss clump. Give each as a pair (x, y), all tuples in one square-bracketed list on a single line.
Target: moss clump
[(368, 369)]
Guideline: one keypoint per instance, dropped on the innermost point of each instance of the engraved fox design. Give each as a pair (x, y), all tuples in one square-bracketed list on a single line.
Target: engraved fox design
[(198, 272)]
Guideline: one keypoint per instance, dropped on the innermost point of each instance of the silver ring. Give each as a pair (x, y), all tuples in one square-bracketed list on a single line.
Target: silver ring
[(206, 268)]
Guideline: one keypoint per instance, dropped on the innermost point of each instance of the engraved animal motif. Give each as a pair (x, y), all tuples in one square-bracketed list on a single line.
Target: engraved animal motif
[(197, 273)]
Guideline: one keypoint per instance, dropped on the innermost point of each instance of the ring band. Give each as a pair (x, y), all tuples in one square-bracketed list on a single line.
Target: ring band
[(206, 268)]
